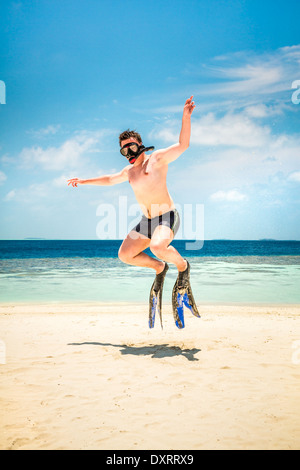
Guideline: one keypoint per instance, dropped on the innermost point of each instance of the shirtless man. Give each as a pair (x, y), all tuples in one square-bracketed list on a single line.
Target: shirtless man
[(160, 222)]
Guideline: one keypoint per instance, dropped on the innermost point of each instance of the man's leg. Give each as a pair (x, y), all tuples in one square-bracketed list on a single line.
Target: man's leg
[(131, 252), (160, 247)]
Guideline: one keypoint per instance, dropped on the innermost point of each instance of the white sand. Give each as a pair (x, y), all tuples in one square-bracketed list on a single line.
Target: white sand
[(93, 376)]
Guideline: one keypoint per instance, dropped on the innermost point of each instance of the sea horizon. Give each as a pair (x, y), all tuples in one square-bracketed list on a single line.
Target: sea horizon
[(177, 239), (222, 271)]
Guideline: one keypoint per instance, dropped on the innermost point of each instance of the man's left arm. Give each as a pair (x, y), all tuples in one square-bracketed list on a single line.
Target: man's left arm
[(171, 153)]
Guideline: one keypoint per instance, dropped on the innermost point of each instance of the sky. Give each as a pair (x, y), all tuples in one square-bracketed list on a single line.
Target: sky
[(79, 72)]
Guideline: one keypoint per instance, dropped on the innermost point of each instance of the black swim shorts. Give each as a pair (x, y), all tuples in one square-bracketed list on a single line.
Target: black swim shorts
[(169, 219)]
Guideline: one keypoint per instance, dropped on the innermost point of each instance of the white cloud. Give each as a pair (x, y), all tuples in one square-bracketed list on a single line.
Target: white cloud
[(295, 176), (3, 177), (60, 181), (32, 193), (203, 171), (10, 195), (291, 53), (252, 78), (228, 196), (246, 73), (6, 160), (167, 133), (46, 131), (257, 111), (229, 130), (239, 80), (235, 142), (71, 154)]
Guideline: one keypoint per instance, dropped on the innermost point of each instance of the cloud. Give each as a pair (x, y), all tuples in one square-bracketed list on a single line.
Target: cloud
[(228, 196), (261, 110), (238, 80), (33, 193), (7, 160), (249, 73), (61, 181), (260, 78), (46, 131), (71, 154), (295, 176), (203, 171), (3, 177), (237, 140), (234, 108), (10, 195), (229, 130)]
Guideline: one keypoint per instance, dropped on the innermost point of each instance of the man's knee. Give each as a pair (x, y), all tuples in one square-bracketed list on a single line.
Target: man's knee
[(158, 248), (124, 255)]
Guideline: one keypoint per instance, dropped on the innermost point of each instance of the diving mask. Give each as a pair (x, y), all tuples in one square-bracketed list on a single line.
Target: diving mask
[(132, 151)]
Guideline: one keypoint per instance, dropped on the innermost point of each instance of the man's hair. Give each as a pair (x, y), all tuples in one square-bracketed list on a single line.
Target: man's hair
[(128, 134)]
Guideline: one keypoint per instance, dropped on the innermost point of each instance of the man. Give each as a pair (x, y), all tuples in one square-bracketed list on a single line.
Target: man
[(160, 222)]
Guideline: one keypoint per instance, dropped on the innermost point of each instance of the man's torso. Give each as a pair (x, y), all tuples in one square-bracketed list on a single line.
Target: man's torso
[(149, 183)]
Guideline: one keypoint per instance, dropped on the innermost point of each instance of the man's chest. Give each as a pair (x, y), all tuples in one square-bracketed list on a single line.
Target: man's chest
[(146, 177)]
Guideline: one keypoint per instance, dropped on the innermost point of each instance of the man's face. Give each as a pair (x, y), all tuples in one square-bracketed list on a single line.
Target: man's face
[(130, 155)]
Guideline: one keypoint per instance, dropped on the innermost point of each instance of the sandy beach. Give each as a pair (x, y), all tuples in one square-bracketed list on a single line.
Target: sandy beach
[(93, 376)]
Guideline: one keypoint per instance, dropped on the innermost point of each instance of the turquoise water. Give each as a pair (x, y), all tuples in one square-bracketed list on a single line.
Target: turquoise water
[(215, 279)]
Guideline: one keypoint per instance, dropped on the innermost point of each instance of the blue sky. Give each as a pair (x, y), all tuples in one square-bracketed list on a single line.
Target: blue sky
[(77, 73)]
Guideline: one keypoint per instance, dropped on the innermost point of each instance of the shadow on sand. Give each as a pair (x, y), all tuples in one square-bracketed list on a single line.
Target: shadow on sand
[(154, 350)]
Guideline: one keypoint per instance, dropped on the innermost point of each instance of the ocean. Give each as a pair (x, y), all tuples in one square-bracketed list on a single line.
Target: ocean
[(222, 271)]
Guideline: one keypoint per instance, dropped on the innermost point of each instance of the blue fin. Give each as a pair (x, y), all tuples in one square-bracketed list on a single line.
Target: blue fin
[(180, 313), (186, 301), (182, 296)]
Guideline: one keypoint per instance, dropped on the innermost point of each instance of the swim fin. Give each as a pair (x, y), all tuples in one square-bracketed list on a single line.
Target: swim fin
[(155, 300), (183, 296)]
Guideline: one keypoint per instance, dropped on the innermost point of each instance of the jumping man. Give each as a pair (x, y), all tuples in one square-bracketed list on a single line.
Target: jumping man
[(160, 221)]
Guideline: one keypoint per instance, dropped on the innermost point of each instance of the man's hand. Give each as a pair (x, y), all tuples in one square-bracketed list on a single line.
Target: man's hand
[(189, 107), (74, 182), (170, 154)]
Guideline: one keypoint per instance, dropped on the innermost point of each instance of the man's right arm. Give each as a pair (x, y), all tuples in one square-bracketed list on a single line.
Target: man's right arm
[(106, 180)]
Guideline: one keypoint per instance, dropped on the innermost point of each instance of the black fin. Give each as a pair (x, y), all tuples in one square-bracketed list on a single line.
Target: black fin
[(155, 300)]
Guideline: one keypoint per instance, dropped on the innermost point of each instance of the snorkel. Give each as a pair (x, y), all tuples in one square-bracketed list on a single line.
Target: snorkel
[(132, 151)]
